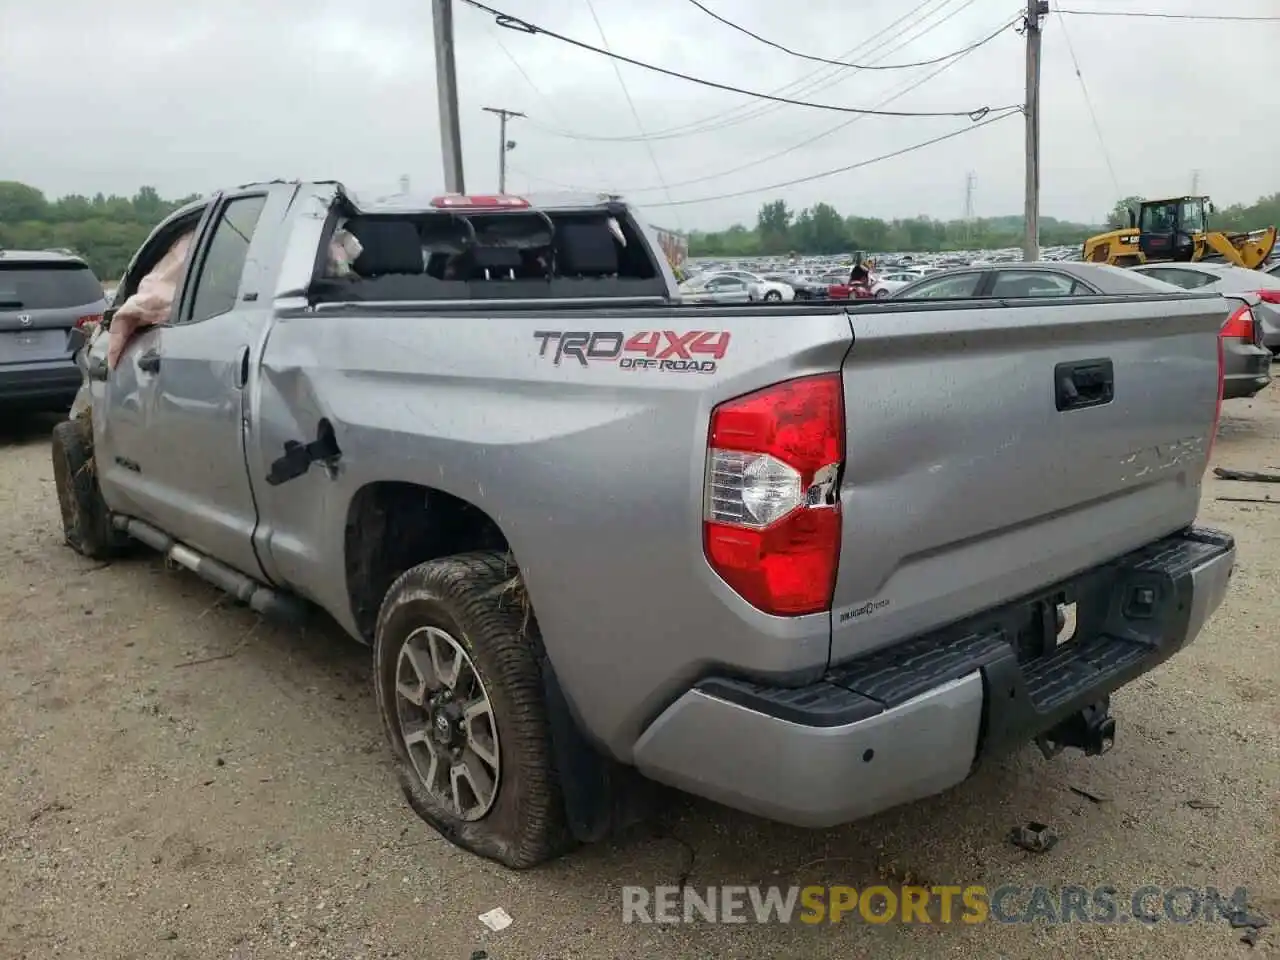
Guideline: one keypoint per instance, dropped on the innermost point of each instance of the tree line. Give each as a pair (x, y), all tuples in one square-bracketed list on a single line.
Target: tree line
[(821, 229), (107, 230)]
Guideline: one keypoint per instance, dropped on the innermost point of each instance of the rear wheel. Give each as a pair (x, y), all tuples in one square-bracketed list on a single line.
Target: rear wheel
[(881, 293), (772, 296), (460, 693), (86, 522)]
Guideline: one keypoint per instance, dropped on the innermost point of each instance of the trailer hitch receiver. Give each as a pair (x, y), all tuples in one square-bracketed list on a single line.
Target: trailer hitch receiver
[(1092, 730)]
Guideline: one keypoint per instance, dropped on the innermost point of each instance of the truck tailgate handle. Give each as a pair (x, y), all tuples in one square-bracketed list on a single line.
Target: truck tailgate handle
[(1084, 383), (149, 362)]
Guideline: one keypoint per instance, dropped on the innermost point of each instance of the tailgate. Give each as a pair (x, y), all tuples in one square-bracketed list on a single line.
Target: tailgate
[(966, 486)]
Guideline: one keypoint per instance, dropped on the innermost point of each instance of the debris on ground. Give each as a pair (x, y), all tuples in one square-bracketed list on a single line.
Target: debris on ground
[(1091, 797), (496, 919), (1246, 476), (1034, 837)]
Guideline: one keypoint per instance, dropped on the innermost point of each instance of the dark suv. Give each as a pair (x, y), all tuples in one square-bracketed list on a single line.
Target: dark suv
[(43, 296)]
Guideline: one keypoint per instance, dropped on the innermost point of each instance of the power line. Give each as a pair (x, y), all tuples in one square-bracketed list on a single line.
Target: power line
[(617, 70), (832, 130), (515, 23), (745, 112), (1166, 16), (1088, 101), (552, 107), (993, 118), (835, 63)]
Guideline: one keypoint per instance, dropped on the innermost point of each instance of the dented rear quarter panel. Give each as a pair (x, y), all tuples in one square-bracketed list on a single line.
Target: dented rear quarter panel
[(594, 474)]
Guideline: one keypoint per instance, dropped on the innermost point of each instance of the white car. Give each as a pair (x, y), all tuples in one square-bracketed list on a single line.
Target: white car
[(888, 283), (760, 288)]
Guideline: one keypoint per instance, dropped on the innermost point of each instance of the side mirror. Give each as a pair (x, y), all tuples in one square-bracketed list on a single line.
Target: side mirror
[(1212, 208)]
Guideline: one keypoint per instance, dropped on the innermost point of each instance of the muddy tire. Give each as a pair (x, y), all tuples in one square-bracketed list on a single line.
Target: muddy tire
[(86, 522), (460, 694)]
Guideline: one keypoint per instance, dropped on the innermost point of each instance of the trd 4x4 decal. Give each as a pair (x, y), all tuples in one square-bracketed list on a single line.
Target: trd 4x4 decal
[(695, 351)]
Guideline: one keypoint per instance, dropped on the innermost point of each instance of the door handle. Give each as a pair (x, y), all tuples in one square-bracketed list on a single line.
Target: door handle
[(1084, 383), (242, 368), (149, 362)]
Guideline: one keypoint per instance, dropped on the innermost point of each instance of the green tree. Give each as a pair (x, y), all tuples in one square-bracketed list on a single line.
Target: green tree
[(20, 202), (773, 224), (1119, 215)]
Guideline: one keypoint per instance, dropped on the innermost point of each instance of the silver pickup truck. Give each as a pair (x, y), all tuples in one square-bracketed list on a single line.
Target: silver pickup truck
[(810, 561)]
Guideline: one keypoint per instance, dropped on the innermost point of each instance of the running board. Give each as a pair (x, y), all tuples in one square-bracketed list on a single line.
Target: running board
[(258, 596)]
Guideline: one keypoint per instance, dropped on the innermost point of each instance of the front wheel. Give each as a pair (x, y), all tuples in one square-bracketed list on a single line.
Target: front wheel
[(86, 521), (460, 692), (772, 296), (881, 294)]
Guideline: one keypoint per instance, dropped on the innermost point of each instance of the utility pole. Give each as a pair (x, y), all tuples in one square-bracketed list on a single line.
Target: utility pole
[(970, 181), (503, 143), (447, 92), (1031, 209)]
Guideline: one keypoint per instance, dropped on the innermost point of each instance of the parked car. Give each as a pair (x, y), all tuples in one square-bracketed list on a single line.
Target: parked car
[(761, 288), (805, 288), (44, 295), (860, 540), (1246, 358), (717, 288), (1227, 278), (889, 283)]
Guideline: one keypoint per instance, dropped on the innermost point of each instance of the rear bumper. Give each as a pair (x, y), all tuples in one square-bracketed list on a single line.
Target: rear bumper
[(912, 720), (1247, 371), (52, 383)]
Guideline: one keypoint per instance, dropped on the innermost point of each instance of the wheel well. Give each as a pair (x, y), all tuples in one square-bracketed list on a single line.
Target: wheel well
[(393, 526)]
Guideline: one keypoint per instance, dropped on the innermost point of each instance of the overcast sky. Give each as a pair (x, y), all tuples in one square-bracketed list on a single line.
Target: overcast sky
[(189, 96)]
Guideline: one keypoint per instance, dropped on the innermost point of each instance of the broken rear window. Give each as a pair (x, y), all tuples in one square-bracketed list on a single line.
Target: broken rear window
[(494, 256)]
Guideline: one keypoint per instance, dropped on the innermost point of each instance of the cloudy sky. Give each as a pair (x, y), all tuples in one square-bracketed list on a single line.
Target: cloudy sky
[(188, 96)]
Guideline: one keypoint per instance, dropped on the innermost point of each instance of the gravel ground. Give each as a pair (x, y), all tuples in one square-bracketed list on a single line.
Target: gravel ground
[(180, 780)]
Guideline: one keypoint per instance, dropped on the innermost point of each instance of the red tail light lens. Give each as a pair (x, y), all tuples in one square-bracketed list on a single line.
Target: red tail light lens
[(87, 320), (1239, 324), (771, 520), (488, 202), (1269, 296)]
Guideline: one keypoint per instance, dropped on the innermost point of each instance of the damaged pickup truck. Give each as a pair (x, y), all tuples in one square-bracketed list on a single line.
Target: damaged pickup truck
[(808, 561)]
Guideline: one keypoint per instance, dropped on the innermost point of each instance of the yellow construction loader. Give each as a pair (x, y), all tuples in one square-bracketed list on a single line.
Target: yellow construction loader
[(1177, 229)]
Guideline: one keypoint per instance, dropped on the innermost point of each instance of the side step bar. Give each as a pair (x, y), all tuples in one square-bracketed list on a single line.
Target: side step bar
[(258, 596)]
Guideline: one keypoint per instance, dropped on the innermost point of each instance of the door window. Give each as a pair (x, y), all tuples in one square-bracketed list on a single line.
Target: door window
[(942, 288), (218, 283), (1035, 283), (1186, 279)]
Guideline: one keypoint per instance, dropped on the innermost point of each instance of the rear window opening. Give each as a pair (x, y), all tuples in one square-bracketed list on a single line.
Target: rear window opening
[(508, 255), (51, 285)]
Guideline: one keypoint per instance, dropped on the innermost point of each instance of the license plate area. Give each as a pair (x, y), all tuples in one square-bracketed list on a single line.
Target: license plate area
[(19, 345)]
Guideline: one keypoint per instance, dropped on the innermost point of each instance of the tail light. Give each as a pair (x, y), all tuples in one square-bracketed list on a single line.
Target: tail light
[(771, 520), (88, 320), (1269, 296), (490, 202), (1239, 325)]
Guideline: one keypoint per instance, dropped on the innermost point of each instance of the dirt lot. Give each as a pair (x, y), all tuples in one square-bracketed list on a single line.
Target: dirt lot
[(179, 780)]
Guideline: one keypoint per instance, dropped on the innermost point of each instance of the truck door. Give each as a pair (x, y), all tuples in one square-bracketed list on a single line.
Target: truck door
[(123, 397), (201, 362)]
